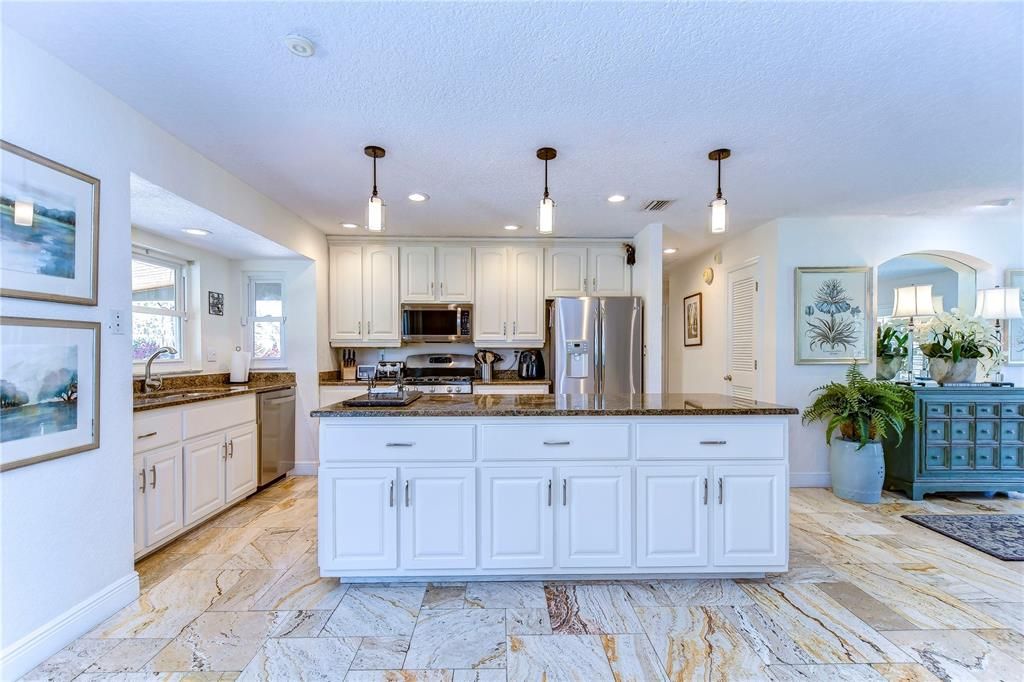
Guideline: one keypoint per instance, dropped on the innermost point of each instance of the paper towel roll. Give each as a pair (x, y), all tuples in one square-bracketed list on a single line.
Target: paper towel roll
[(240, 367)]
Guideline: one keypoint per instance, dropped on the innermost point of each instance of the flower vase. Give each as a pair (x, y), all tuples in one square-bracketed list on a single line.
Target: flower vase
[(945, 371), (886, 369)]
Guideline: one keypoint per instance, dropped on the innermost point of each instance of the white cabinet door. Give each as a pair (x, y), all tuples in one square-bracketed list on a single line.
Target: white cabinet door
[(164, 508), (358, 518), (139, 487), (380, 294), (750, 514), (417, 273), (240, 466), (438, 518), (491, 286), (517, 517), (335, 394), (346, 295), (204, 476), (455, 274), (672, 516), (595, 517), (565, 271), (609, 274), (526, 301)]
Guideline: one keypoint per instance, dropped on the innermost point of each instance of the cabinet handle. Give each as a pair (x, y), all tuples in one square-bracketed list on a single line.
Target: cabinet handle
[(369, 326), (399, 445), (391, 495), (142, 472), (713, 442), (442, 288), (705, 492), (152, 470), (146, 435), (504, 328), (564, 497), (407, 493), (359, 328), (593, 285), (719, 491), (549, 492), (431, 287), (558, 442), (225, 455), (231, 449), (515, 323)]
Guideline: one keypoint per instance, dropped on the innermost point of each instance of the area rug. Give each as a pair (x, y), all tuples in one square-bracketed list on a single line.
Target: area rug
[(1000, 535)]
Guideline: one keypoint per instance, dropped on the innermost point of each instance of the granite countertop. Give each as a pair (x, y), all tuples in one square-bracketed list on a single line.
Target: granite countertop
[(549, 405), (173, 397), (512, 382)]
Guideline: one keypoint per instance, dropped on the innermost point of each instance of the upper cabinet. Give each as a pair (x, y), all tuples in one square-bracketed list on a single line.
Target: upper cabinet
[(510, 296), (364, 307), (442, 274), (581, 271)]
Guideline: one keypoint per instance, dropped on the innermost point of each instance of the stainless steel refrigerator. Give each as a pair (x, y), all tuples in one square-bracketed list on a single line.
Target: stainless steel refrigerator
[(597, 345)]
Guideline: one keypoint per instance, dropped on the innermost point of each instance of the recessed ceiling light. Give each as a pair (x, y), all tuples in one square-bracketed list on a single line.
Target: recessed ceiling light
[(617, 198), (418, 196), (511, 228), (349, 226), (300, 46), (996, 203), (669, 251), (197, 231)]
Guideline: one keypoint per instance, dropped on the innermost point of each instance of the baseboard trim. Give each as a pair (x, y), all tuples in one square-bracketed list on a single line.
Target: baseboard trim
[(304, 469), (810, 480), (34, 648)]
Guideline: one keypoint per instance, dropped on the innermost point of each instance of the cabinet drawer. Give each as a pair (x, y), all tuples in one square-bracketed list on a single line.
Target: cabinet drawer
[(413, 443), (936, 459), (985, 457), (710, 440), (578, 440), (937, 409), (1011, 431), (986, 431), (986, 410), (156, 429), (963, 409), (217, 415), (1012, 410), (961, 430), (936, 431), (1011, 458)]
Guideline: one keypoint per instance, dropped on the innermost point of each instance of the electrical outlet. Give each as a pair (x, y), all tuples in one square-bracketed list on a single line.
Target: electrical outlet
[(117, 322), (211, 355)]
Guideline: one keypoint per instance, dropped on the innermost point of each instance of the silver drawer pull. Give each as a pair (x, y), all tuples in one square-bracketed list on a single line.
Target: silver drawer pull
[(399, 445), (391, 495), (143, 474), (558, 442), (152, 470), (146, 435), (713, 442)]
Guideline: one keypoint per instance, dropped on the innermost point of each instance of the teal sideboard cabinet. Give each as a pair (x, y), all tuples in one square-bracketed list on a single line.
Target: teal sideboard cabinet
[(964, 439)]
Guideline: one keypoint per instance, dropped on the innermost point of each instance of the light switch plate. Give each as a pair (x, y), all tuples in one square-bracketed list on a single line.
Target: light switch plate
[(117, 321), (211, 355)]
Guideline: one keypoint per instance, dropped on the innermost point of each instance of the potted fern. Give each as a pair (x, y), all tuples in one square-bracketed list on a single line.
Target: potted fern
[(865, 411)]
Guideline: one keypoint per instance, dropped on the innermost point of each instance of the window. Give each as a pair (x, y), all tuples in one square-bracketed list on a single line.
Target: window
[(158, 307), (266, 318)]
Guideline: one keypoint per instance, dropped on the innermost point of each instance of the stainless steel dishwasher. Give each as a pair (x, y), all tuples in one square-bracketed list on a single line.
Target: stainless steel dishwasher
[(276, 419)]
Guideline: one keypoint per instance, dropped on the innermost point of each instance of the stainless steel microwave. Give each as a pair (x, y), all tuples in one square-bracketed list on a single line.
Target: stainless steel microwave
[(437, 322)]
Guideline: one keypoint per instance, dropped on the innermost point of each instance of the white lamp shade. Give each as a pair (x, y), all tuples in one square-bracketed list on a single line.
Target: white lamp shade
[(913, 301), (998, 304), (24, 212), (937, 304), (375, 214), (546, 216), (718, 216)]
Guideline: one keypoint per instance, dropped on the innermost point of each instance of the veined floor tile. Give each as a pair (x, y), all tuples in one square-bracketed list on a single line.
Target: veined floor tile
[(301, 623), (130, 655), (206, 562), (864, 606), (268, 553), (820, 500), (632, 659), (831, 672), (159, 677), (557, 658), (969, 565), (838, 524), (302, 589), (72, 660), (458, 638), (527, 622), (217, 641), (240, 515), (590, 609), (400, 676), (768, 638), (376, 611), (958, 655), (158, 566), (505, 595), (1008, 641), (834, 549), (286, 514), (713, 592), (1010, 614), (381, 653), (904, 672), (947, 583), (646, 593), (243, 594), (213, 540), (698, 643), (800, 574), (445, 596), (482, 675), (307, 659)]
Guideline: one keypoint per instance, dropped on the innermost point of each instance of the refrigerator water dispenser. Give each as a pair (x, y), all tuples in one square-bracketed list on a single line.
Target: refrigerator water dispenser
[(579, 359)]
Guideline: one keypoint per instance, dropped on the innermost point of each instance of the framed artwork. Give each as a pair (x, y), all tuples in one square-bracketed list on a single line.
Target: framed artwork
[(833, 315), (49, 229), (693, 320), (49, 389), (1015, 328), (216, 303)]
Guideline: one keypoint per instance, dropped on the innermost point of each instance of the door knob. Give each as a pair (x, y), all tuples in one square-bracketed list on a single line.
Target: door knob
[(728, 377)]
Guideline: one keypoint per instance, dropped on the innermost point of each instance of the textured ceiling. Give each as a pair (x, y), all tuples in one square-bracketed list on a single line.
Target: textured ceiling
[(829, 108)]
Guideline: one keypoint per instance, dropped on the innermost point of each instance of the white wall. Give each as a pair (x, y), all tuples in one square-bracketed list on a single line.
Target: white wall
[(67, 524), (648, 283)]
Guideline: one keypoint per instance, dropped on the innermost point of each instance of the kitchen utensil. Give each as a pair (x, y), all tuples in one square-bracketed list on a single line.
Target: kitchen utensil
[(486, 360)]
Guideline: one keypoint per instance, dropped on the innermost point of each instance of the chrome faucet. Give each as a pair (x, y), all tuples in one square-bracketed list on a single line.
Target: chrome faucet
[(151, 383)]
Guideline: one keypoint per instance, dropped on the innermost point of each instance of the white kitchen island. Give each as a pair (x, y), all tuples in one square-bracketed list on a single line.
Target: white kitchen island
[(499, 486)]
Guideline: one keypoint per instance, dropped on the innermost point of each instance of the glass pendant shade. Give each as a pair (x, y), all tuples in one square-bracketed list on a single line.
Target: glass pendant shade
[(913, 301), (998, 304), (546, 216), (23, 213), (375, 214), (718, 216)]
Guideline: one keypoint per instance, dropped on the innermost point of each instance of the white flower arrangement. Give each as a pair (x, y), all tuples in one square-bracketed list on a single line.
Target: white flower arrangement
[(955, 336)]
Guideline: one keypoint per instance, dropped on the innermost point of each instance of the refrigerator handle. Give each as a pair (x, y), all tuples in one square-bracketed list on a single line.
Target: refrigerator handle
[(599, 349)]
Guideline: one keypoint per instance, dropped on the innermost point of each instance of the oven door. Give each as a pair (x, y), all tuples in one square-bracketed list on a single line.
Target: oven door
[(436, 323)]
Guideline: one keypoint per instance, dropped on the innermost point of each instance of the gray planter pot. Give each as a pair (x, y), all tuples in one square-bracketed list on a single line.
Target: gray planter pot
[(857, 475), (946, 371), (887, 369)]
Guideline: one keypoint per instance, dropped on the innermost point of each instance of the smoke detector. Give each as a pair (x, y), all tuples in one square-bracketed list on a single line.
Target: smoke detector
[(300, 46)]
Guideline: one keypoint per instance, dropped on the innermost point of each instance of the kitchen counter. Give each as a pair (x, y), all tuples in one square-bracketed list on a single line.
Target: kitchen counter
[(173, 397), (548, 405), (513, 382)]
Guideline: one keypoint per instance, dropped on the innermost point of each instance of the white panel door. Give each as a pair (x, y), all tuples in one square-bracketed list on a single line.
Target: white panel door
[(346, 295), (749, 515), (417, 273), (490, 322), (438, 517), (380, 294), (743, 334), (140, 486), (594, 517), (565, 271), (204, 476), (672, 516), (517, 517), (609, 274), (526, 285), (164, 508), (455, 274), (240, 468), (358, 518)]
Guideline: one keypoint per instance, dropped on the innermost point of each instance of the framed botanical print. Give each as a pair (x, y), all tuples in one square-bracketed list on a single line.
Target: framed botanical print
[(833, 315), (1015, 328), (49, 229), (49, 389), (693, 320)]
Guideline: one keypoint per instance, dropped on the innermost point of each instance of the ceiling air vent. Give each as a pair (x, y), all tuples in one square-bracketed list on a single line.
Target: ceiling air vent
[(659, 204)]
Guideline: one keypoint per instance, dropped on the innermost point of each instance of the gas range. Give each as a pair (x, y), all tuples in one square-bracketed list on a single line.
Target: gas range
[(450, 373), (441, 384)]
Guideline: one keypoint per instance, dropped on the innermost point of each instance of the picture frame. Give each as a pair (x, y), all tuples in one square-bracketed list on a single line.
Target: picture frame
[(215, 303), (49, 389), (54, 256), (833, 317), (693, 320), (1015, 328)]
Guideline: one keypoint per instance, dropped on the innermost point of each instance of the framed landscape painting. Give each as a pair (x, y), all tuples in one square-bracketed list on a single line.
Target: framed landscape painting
[(693, 320), (1015, 328), (833, 315), (49, 229), (49, 389)]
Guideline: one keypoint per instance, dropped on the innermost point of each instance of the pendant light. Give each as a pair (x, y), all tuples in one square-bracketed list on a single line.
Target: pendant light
[(375, 207), (718, 204), (546, 211)]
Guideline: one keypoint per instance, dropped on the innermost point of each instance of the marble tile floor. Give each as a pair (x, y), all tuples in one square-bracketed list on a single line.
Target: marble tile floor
[(869, 596)]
